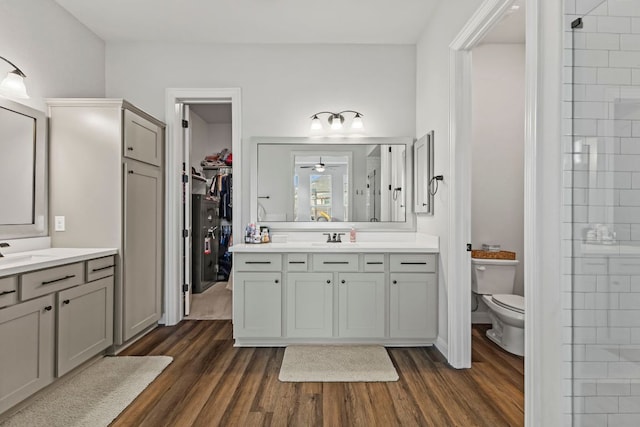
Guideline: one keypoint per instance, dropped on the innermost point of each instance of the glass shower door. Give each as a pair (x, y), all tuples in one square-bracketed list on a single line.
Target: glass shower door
[(605, 215)]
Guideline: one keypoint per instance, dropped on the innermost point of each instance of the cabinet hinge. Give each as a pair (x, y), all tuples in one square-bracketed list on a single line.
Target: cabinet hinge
[(185, 124), (468, 247), (389, 187), (185, 233), (185, 287), (185, 178), (389, 149)]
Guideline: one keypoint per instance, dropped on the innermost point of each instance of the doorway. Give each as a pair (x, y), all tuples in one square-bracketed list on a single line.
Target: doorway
[(179, 242), (209, 190)]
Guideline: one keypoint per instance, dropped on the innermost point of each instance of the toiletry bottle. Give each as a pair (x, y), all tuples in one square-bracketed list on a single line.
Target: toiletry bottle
[(352, 235)]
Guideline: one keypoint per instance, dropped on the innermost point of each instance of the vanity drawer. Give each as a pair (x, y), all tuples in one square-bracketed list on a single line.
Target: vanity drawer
[(51, 280), (8, 291), (374, 262), (258, 262), (335, 262), (101, 267), (414, 263), (297, 262)]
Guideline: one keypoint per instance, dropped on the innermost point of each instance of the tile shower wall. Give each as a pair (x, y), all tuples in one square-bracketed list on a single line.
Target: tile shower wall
[(601, 241)]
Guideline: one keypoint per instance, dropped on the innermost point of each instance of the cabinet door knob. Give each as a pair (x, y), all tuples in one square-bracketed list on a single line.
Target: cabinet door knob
[(329, 281), (66, 302), (48, 308), (395, 282), (130, 172), (130, 148), (342, 281), (277, 281)]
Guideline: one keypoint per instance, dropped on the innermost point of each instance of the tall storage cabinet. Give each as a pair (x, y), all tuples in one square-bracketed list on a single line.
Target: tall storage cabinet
[(106, 179)]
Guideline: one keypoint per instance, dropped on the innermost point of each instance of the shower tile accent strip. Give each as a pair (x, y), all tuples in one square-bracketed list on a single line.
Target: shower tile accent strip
[(602, 303)]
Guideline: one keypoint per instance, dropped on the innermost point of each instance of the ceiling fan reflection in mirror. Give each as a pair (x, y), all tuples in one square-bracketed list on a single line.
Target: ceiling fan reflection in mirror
[(318, 167)]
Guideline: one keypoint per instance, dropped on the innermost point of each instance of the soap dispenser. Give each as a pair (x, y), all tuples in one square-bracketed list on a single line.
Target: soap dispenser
[(352, 234)]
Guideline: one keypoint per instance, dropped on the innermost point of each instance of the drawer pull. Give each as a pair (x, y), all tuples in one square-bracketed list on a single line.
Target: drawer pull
[(7, 292), (129, 148), (374, 262), (48, 282), (335, 262), (93, 270), (413, 263), (66, 302), (297, 262), (257, 262), (48, 308)]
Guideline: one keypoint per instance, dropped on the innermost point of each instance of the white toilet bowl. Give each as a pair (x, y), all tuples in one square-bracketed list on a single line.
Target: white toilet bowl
[(507, 317)]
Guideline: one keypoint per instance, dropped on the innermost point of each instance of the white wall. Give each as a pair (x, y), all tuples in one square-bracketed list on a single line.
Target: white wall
[(497, 150), (432, 112), (282, 85), (59, 55)]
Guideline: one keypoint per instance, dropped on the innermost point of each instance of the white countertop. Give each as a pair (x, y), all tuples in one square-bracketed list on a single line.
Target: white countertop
[(21, 262), (393, 247)]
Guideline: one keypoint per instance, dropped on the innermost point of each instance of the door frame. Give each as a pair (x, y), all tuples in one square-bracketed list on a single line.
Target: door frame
[(173, 307), (535, 235)]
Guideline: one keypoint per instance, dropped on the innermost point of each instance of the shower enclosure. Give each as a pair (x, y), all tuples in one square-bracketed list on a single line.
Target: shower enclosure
[(603, 185)]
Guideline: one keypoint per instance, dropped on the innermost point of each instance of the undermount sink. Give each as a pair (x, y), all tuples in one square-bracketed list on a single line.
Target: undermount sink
[(21, 259), (334, 244)]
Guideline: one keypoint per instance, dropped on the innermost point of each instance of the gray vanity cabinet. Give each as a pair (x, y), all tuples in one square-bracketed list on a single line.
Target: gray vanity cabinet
[(310, 305), (257, 305), (106, 179), (85, 323), (27, 334), (361, 305)]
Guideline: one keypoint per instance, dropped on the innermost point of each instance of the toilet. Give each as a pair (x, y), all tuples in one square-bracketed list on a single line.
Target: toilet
[(494, 280)]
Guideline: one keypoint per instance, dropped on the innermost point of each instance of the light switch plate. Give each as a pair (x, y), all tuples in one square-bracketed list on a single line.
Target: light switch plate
[(59, 223)]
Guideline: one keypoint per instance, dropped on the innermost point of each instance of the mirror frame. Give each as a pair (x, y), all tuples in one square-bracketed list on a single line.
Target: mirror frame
[(40, 227), (410, 220)]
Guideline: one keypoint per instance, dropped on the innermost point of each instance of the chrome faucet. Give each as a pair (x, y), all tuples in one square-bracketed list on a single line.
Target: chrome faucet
[(3, 245)]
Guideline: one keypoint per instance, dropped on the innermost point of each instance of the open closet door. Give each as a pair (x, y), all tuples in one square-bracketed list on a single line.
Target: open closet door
[(186, 204)]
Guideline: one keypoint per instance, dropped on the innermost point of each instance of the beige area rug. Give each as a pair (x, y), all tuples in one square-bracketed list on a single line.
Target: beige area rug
[(93, 397), (212, 304), (332, 363)]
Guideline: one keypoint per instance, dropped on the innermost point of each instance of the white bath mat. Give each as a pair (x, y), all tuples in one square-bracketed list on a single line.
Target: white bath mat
[(337, 363)]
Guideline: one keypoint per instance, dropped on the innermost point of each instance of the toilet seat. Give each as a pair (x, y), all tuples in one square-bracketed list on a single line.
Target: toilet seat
[(509, 302)]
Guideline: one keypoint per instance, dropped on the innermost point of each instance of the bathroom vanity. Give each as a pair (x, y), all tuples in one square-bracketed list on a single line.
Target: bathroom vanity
[(383, 293), (56, 312)]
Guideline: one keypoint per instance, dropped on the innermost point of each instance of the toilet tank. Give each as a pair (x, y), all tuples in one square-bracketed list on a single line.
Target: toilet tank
[(493, 276)]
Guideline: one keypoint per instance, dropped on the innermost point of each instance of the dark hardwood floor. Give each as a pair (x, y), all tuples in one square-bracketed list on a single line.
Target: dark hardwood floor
[(211, 383)]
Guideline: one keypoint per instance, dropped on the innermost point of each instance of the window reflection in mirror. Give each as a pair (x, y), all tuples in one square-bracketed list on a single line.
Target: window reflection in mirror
[(331, 182)]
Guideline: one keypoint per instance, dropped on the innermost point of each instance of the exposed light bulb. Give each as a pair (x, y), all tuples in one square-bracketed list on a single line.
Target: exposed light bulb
[(320, 168)]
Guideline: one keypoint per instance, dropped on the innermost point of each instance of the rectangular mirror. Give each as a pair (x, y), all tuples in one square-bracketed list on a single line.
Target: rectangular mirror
[(22, 171), (304, 183)]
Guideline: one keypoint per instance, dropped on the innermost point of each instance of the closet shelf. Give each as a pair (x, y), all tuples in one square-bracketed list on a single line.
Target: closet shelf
[(198, 178)]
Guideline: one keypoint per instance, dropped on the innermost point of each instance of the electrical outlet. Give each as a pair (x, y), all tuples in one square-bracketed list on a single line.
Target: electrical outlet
[(59, 223)]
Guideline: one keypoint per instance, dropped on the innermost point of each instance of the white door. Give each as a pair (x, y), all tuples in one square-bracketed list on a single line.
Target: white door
[(186, 203)]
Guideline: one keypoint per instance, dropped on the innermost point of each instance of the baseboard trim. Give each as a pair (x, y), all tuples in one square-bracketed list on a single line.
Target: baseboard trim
[(480, 317), (443, 347)]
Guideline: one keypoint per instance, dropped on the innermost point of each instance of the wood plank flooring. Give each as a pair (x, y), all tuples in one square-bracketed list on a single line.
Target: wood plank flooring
[(211, 383)]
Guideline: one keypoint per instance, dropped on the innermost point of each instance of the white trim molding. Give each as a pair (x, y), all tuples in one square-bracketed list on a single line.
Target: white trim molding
[(173, 308), (460, 134)]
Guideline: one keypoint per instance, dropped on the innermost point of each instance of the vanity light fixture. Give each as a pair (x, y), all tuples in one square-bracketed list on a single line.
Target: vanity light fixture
[(336, 120), (13, 85)]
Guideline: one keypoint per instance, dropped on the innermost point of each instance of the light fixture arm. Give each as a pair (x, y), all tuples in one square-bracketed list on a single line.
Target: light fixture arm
[(17, 70)]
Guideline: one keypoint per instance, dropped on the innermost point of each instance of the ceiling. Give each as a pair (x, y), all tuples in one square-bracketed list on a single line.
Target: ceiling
[(511, 29), (213, 113), (255, 21)]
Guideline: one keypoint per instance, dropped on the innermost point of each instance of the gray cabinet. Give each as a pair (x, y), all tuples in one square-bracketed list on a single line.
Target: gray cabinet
[(106, 178), (309, 305), (413, 305), (85, 323), (27, 349), (142, 295), (257, 305), (361, 305)]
